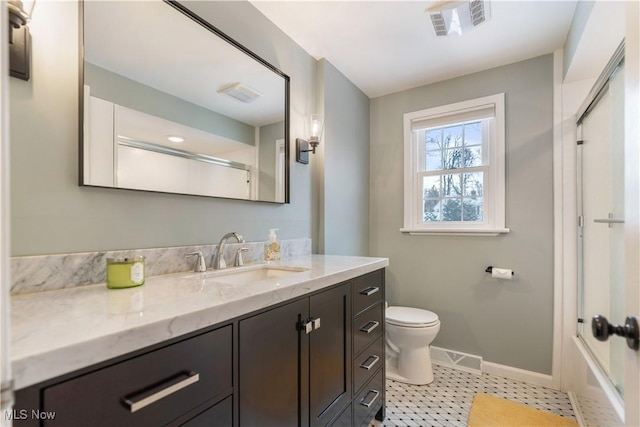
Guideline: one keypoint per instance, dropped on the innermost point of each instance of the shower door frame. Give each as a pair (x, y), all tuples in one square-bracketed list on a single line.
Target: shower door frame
[(578, 370), (599, 91)]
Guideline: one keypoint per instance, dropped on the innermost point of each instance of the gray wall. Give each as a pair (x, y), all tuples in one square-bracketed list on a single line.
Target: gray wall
[(507, 322), (345, 195), (269, 134), (50, 213)]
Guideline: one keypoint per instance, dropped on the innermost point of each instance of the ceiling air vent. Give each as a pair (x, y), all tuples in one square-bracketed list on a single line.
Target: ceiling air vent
[(477, 12), (438, 24), (458, 17)]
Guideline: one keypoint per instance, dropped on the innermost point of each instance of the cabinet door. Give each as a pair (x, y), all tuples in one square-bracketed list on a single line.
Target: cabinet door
[(273, 366), (330, 354)]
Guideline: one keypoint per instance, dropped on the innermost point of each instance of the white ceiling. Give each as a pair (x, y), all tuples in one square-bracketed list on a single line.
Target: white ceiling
[(388, 46)]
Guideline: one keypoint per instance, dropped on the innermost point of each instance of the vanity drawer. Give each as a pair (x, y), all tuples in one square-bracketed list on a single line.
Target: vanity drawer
[(148, 390), (369, 400), (365, 365), (367, 327), (344, 419), (367, 290), (220, 415)]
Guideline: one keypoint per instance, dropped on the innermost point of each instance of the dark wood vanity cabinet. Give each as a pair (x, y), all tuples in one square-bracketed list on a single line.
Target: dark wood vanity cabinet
[(185, 383), (317, 360), (368, 348), (295, 362)]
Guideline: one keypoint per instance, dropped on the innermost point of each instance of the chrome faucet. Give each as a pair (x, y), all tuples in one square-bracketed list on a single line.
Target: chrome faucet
[(200, 265), (239, 262), (218, 259)]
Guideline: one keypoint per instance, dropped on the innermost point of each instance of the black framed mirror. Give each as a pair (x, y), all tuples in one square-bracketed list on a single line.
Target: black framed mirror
[(171, 104)]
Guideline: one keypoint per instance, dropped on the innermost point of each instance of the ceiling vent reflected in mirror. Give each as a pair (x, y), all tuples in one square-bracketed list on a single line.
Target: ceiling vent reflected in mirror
[(458, 17), (241, 92)]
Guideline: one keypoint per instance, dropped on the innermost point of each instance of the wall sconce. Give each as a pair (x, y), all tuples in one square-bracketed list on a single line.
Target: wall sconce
[(315, 126), (19, 38)]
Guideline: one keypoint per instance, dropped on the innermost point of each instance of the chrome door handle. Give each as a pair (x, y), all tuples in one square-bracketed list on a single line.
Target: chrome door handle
[(363, 402), (609, 220), (369, 326), (370, 362), (307, 326), (602, 330), (143, 399)]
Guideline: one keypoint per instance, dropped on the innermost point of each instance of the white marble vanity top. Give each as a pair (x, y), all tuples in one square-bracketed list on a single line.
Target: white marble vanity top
[(58, 332)]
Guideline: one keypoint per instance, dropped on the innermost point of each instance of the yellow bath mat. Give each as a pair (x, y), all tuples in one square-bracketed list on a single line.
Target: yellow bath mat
[(492, 411)]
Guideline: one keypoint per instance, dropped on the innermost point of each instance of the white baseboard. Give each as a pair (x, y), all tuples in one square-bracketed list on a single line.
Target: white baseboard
[(518, 374), (576, 409)]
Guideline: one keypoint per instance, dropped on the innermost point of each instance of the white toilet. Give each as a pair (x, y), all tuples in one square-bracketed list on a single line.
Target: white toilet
[(409, 331)]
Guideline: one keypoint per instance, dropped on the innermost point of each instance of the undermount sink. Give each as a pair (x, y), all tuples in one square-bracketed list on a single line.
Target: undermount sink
[(251, 274)]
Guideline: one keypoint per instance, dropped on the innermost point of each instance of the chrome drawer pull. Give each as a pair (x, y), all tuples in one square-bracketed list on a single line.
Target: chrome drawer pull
[(376, 393), (370, 326), (135, 405), (369, 291), (370, 362)]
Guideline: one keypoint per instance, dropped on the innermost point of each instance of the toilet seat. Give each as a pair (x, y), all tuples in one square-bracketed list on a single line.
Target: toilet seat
[(410, 317)]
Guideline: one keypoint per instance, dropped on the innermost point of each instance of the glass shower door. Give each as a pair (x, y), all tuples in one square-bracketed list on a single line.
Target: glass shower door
[(601, 232)]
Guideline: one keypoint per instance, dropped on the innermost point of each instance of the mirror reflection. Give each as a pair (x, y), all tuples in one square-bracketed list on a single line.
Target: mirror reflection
[(171, 106)]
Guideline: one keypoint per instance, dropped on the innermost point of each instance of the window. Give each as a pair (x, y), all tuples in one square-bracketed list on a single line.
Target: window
[(454, 168)]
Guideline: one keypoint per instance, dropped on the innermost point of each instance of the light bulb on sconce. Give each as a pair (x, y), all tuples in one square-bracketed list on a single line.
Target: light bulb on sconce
[(315, 127)]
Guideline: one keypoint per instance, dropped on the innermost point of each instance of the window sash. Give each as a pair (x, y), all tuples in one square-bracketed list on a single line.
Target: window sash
[(419, 197), (419, 142), (492, 168), (483, 112)]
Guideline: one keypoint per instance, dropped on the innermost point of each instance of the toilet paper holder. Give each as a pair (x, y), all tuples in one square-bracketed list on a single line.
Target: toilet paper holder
[(490, 270)]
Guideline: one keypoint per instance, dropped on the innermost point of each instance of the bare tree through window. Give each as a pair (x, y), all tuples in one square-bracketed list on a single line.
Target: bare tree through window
[(453, 191)]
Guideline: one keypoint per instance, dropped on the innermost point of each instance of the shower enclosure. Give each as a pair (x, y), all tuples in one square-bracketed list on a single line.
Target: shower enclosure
[(601, 222), (608, 235)]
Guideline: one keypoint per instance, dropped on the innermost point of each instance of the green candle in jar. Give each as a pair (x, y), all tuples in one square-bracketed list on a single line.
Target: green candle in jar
[(125, 272)]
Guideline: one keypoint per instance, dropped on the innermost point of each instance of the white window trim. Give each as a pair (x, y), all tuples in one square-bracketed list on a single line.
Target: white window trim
[(494, 223)]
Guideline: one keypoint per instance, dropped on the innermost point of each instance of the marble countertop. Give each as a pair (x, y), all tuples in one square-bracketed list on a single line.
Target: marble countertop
[(57, 332)]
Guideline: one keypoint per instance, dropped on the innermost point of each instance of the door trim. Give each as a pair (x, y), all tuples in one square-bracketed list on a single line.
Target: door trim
[(558, 223), (6, 383), (632, 203)]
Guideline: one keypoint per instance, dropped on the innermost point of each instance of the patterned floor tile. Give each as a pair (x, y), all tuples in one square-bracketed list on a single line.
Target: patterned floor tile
[(447, 400)]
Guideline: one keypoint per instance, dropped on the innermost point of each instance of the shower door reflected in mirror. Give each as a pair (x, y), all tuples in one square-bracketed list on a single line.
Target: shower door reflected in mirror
[(601, 236), (172, 105)]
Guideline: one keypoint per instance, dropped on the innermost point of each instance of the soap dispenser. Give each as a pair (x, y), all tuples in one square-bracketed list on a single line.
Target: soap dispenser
[(272, 247)]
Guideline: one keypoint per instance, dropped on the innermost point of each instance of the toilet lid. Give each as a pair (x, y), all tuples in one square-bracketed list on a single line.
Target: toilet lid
[(409, 316)]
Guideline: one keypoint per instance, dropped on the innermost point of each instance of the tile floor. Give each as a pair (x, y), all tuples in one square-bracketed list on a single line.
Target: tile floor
[(447, 400)]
